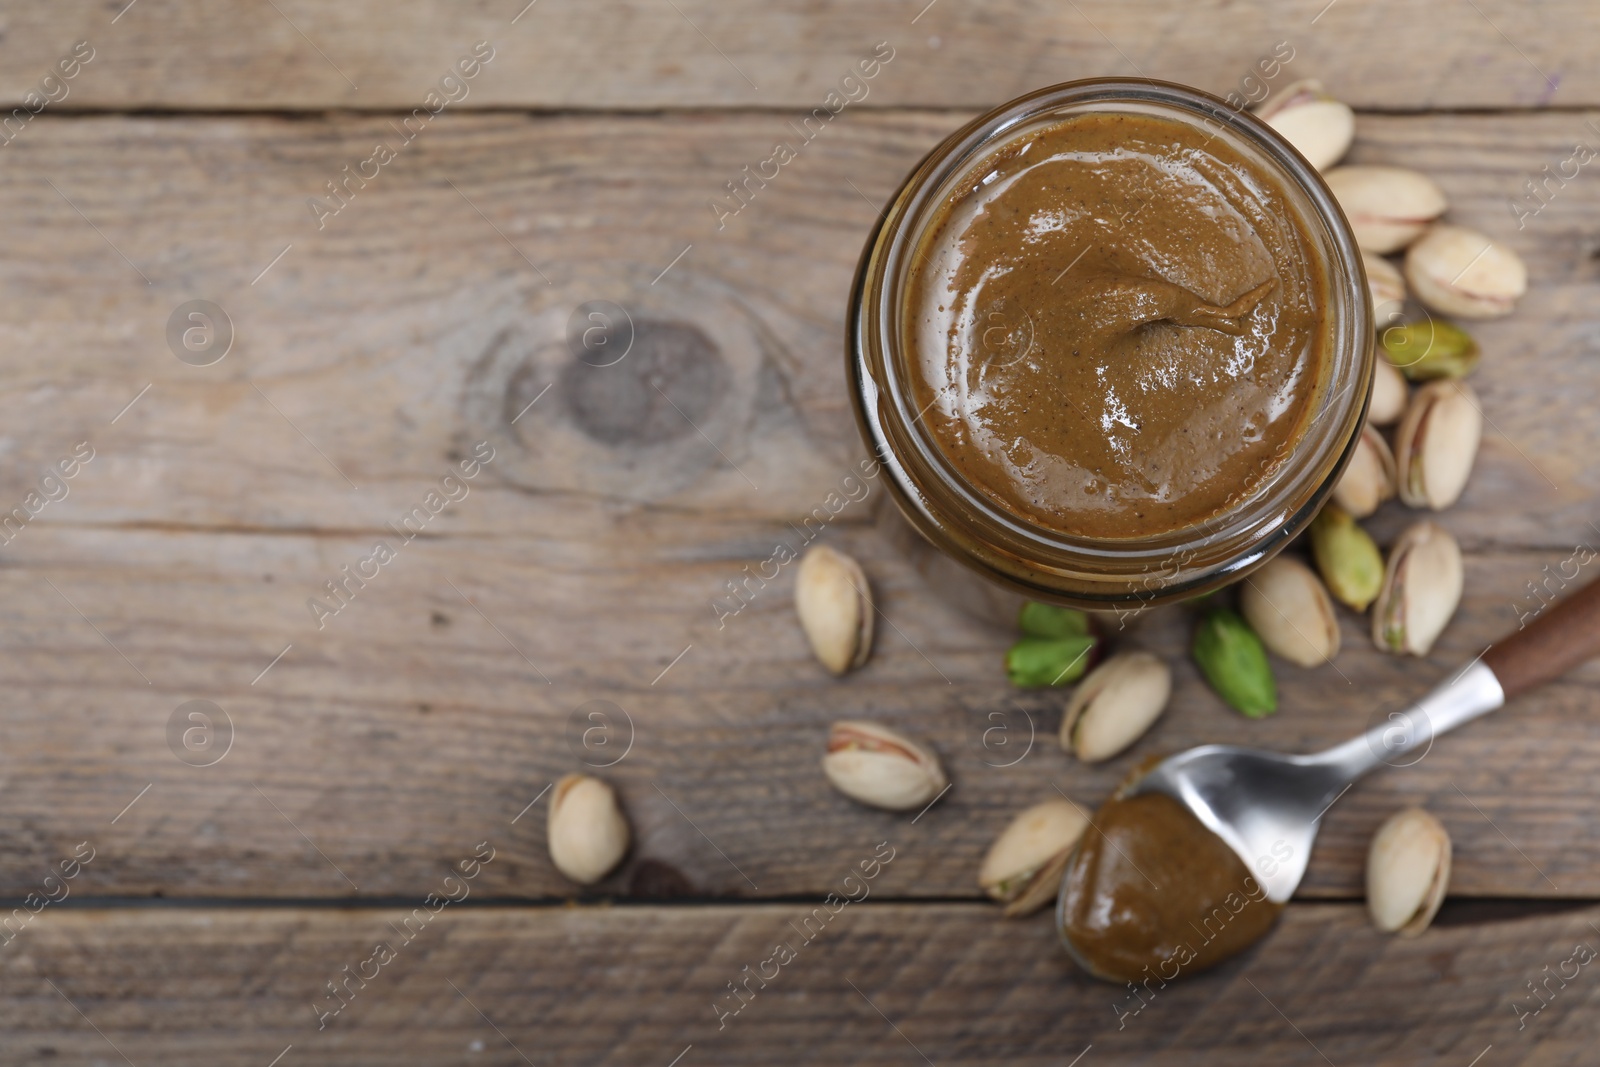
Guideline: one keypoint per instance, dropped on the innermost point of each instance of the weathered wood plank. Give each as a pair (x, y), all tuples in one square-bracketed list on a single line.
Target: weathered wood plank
[(411, 722), (1410, 54), (876, 984), (380, 347), (409, 304)]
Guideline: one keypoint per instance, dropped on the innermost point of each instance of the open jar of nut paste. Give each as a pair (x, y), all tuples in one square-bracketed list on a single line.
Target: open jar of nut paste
[(1112, 343)]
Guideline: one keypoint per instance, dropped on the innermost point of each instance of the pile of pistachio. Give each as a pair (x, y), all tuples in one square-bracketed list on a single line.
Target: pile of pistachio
[(1114, 703), (1420, 442), (1433, 418)]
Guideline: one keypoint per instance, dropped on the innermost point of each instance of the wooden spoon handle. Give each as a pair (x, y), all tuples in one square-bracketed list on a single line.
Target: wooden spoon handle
[(1549, 644)]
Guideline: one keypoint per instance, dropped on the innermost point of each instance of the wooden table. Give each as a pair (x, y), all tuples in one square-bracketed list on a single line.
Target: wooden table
[(365, 753)]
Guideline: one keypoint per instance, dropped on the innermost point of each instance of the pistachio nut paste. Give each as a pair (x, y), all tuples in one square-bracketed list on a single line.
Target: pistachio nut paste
[(1117, 326), (1152, 894)]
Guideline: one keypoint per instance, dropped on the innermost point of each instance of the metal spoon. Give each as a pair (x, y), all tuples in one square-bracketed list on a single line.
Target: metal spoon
[(1261, 802)]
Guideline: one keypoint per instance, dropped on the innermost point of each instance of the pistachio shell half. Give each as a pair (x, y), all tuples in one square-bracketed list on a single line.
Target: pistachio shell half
[(1388, 207), (1464, 273), (1437, 443), (1320, 127), (1291, 612), (1421, 589), (1023, 867), (1347, 557), (1389, 394), (834, 602), (1408, 871), (880, 767), (1115, 704), (1387, 287), (1369, 479), (588, 834)]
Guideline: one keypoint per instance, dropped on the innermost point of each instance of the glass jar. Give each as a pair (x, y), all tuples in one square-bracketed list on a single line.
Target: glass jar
[(1048, 564)]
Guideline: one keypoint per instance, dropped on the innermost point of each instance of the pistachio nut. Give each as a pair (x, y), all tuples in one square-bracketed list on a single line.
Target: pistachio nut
[(1368, 480), (881, 767), (1047, 620), (1320, 127), (1044, 661), (1432, 349), (1462, 272), (834, 602), (1388, 207), (1287, 606), (1231, 658), (588, 834), (1421, 589), (1347, 557), (1389, 394), (1387, 287), (1408, 871), (1115, 704), (1023, 867), (1437, 443)]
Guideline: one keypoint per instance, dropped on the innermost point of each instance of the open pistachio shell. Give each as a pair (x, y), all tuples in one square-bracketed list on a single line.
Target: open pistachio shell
[(1115, 704), (1421, 589), (1462, 272), (1388, 207), (1024, 865), (1320, 127), (1369, 479), (1408, 872), (880, 767), (1437, 443), (834, 602), (1389, 394), (1387, 287), (1290, 610)]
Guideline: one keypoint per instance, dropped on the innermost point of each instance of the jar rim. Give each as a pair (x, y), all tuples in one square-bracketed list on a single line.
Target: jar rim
[(1044, 562)]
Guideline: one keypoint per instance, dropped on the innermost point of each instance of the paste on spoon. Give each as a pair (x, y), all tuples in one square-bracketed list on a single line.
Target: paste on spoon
[(1152, 894)]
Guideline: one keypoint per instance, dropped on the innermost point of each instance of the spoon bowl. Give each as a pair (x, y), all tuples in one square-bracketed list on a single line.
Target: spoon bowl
[(1268, 806)]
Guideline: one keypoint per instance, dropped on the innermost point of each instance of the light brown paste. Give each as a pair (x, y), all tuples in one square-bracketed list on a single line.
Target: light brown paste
[(1152, 894), (1116, 327)]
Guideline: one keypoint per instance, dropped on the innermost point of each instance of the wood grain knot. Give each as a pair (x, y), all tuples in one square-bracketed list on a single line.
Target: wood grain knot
[(670, 382)]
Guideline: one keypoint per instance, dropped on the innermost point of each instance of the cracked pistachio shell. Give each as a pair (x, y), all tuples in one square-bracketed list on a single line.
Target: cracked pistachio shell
[(1320, 127), (1388, 207), (1437, 443), (1389, 394), (1023, 867), (1347, 557), (1408, 871), (1387, 287), (1291, 612), (1421, 589), (1115, 704), (834, 602), (1432, 349), (588, 834), (880, 767), (1369, 479), (1462, 272)]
